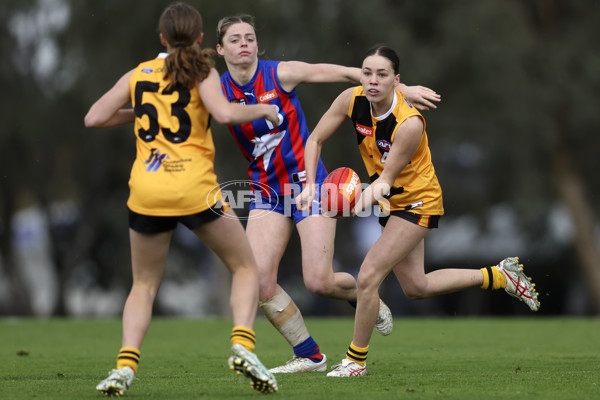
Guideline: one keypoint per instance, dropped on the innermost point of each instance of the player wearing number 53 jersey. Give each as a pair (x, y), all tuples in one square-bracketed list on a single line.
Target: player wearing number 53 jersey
[(172, 181), (173, 172)]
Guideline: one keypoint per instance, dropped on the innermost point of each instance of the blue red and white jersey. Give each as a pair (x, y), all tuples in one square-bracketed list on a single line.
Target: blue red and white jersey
[(275, 153)]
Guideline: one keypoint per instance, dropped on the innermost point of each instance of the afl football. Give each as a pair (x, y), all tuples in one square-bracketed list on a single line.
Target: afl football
[(339, 192)]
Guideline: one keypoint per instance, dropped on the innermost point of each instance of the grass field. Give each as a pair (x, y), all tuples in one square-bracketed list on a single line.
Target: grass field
[(445, 358)]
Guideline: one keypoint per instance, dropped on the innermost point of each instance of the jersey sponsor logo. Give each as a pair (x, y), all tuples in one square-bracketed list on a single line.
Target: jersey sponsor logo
[(384, 145), (147, 70), (241, 101), (364, 130), (266, 97), (155, 160)]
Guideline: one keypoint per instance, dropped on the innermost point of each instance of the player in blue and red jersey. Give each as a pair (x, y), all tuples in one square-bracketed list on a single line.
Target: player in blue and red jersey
[(276, 153), (276, 157)]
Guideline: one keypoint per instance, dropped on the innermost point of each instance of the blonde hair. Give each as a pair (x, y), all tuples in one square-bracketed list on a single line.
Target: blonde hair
[(188, 64)]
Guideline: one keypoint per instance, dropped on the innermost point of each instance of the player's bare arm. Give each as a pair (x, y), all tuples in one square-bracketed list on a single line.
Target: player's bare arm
[(406, 141), (227, 113), (292, 73), (329, 123), (108, 111), (420, 96)]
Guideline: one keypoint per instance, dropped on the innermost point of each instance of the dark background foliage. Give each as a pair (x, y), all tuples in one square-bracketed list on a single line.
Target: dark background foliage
[(513, 142)]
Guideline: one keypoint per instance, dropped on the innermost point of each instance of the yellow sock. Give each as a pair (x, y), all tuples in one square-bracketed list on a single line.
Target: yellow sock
[(243, 336), (357, 354), (128, 357), (493, 279)]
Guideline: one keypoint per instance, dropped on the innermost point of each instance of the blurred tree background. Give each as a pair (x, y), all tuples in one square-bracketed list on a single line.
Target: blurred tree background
[(511, 143)]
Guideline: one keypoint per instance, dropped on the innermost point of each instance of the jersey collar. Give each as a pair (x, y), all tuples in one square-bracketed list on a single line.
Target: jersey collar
[(384, 116)]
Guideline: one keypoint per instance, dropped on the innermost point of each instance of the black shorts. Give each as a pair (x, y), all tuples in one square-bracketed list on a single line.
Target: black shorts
[(152, 224), (426, 221)]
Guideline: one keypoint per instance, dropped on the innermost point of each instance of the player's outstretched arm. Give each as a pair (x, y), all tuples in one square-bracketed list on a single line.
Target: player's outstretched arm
[(406, 142), (227, 113), (292, 73), (329, 123), (108, 110), (422, 97)]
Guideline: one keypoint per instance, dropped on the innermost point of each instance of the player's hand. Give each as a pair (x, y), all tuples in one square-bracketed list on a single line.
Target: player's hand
[(272, 114), (421, 97), (304, 201)]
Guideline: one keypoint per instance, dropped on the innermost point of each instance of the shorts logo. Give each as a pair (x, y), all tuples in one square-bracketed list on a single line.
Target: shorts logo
[(384, 145), (364, 130), (266, 97)]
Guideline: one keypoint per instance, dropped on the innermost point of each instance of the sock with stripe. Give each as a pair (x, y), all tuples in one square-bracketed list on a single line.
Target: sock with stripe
[(309, 349), (243, 336), (128, 357), (357, 354), (493, 279)]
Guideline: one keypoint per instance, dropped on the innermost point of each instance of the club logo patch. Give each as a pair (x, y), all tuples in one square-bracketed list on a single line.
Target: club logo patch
[(384, 145)]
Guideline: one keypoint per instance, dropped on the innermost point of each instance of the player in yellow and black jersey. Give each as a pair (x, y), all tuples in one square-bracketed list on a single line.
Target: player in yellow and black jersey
[(393, 144), (416, 187), (173, 98)]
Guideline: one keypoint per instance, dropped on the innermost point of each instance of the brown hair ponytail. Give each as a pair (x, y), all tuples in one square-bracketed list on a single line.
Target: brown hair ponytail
[(187, 64)]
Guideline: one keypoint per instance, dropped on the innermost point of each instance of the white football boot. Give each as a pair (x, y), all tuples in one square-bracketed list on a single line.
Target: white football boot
[(518, 284), (117, 382), (244, 362), (348, 368), (301, 364), (385, 320)]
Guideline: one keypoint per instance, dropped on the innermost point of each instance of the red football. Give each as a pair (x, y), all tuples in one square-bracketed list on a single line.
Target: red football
[(339, 192)]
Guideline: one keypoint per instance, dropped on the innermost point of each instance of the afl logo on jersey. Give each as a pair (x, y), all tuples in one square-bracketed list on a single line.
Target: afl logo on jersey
[(364, 130), (266, 97), (147, 70), (384, 145)]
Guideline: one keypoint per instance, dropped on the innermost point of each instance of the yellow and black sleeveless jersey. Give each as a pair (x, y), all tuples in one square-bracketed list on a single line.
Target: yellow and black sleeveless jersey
[(173, 173), (416, 189)]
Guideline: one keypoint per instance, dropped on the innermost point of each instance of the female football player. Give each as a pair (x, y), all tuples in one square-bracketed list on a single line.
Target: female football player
[(277, 170), (393, 144), (173, 97)]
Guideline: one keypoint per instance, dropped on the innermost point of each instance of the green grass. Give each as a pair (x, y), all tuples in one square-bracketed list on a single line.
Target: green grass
[(446, 358)]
